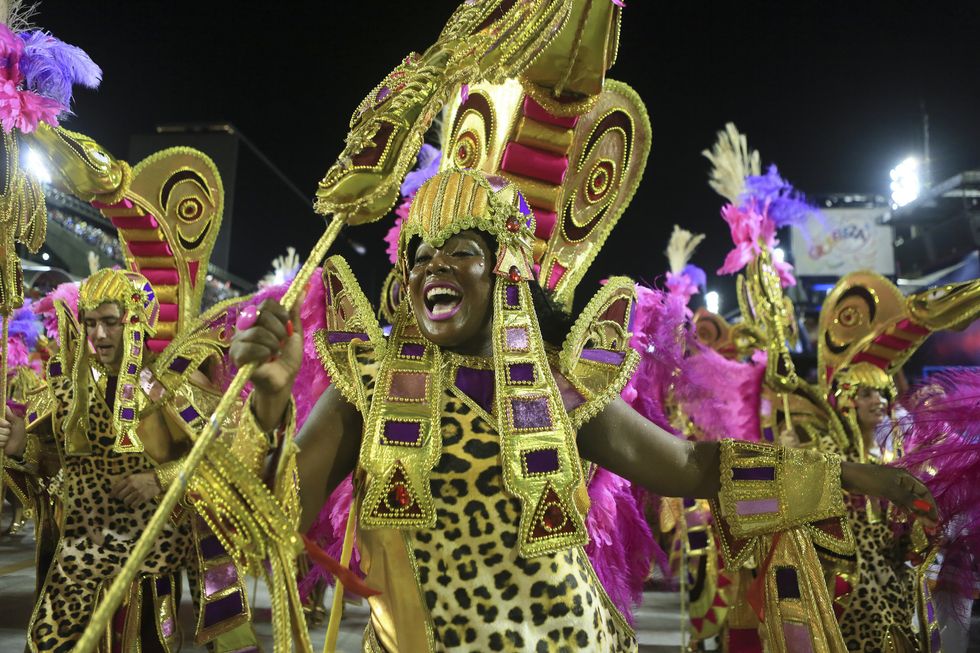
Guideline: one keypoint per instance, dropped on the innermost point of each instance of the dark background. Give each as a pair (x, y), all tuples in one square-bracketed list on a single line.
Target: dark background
[(831, 91)]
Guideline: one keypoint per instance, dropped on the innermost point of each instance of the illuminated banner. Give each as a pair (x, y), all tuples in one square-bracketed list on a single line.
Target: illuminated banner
[(850, 239)]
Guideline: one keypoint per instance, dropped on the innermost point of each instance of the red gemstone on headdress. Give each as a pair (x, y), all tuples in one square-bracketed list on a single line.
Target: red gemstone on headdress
[(515, 274), (136, 297), (399, 496), (513, 225), (134, 319), (553, 516)]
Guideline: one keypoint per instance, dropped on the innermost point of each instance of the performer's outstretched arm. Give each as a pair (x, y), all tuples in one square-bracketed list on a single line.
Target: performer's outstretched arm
[(626, 443)]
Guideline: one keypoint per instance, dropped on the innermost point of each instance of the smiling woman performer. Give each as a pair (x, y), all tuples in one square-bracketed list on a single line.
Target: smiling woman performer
[(468, 434)]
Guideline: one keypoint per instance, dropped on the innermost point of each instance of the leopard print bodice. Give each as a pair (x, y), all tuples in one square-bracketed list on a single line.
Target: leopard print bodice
[(882, 601), (479, 593), (98, 532)]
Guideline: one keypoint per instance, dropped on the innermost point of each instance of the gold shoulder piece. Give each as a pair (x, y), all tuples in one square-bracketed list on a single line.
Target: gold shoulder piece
[(351, 326), (596, 358)]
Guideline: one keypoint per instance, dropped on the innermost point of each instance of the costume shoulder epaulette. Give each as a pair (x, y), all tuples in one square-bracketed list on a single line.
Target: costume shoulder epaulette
[(352, 339), (596, 360)]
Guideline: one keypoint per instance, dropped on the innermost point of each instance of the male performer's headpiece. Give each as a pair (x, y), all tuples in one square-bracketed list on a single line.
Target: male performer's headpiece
[(139, 311)]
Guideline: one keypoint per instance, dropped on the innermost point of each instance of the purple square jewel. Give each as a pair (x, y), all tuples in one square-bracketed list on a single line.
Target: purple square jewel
[(530, 414), (541, 461)]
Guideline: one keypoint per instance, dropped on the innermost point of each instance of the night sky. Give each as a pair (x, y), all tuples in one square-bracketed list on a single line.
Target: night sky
[(830, 91)]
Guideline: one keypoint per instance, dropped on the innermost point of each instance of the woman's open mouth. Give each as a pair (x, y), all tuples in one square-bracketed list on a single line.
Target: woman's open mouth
[(442, 300)]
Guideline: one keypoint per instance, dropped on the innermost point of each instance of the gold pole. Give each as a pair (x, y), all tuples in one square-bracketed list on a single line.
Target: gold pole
[(337, 605), (117, 591)]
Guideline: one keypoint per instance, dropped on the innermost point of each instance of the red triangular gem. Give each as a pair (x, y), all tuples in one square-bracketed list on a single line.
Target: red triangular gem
[(550, 517), (192, 267), (720, 602), (698, 623), (125, 441), (712, 617), (723, 581), (399, 501)]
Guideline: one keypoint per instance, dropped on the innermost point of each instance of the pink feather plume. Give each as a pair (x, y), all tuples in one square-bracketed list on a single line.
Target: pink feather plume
[(942, 447)]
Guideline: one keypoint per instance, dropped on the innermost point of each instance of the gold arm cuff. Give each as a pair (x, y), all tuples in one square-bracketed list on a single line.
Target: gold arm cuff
[(765, 489)]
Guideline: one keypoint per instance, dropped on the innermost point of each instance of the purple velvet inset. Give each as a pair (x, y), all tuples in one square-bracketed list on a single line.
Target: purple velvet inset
[(412, 350), (541, 461), (688, 503), (131, 369), (787, 583), (768, 435), (163, 586), (127, 414), (797, 637), (530, 413), (54, 369), (512, 296), (516, 339), (404, 433), (697, 539), (211, 548), (754, 473), (128, 391), (757, 506), (477, 385), (407, 386), (521, 372), (136, 336), (167, 628), (335, 337), (189, 414), (179, 364), (935, 640), (930, 612), (222, 609), (219, 578), (31, 417), (603, 356)]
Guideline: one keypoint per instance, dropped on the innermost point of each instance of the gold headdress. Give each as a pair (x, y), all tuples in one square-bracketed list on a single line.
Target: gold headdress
[(140, 311)]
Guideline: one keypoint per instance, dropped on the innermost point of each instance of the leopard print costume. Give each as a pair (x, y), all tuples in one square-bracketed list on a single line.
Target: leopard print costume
[(882, 600), (881, 606), (98, 531), (478, 593)]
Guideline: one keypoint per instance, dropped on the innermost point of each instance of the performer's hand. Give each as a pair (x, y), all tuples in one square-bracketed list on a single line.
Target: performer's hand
[(13, 434), (277, 348), (137, 489), (894, 484)]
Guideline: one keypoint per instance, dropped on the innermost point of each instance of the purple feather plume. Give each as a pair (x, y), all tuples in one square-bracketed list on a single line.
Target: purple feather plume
[(51, 67), (26, 325), (427, 166), (787, 206), (696, 275)]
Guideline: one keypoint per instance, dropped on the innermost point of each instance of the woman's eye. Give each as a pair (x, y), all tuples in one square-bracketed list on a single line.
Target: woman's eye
[(422, 259), (463, 252)]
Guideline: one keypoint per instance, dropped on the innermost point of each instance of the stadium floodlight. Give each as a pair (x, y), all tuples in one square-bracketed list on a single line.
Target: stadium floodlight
[(906, 183), (712, 301), (37, 167)]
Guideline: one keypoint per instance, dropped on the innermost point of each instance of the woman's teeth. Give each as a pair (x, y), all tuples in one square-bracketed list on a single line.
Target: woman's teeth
[(442, 290)]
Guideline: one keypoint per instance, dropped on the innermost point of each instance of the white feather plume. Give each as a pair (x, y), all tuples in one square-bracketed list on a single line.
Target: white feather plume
[(731, 162), (681, 247)]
